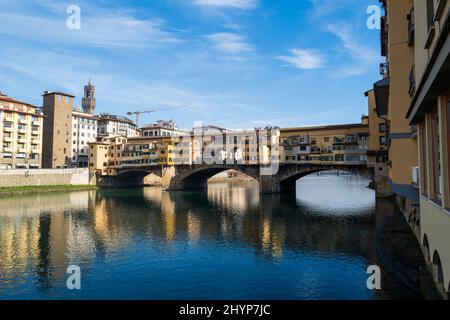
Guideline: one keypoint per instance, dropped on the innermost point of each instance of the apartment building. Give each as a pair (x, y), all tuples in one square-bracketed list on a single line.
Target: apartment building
[(346, 143), (162, 128), (84, 131), (392, 98), (57, 143), (377, 153), (21, 134), (104, 153), (413, 97), (109, 124), (108, 153), (429, 111)]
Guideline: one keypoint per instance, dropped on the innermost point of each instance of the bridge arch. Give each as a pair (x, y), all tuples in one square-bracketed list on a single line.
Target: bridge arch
[(132, 177), (289, 175), (196, 177)]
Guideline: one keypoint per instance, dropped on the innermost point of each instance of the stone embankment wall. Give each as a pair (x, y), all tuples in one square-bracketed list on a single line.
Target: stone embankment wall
[(43, 177)]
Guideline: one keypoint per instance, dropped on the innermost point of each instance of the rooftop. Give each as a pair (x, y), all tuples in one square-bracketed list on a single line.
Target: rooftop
[(326, 127), (3, 97), (113, 117), (46, 93)]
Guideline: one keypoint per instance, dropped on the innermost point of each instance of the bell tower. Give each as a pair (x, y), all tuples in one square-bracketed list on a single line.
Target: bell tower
[(88, 101)]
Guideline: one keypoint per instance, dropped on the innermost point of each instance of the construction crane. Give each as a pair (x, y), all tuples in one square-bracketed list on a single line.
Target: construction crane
[(138, 113)]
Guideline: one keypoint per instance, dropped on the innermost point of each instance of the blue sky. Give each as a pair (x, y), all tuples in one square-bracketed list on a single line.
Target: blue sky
[(234, 63)]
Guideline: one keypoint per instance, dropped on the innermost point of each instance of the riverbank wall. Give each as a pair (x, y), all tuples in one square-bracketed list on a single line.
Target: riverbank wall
[(44, 177)]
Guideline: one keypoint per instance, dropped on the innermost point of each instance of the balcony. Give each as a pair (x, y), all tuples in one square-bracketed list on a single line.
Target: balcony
[(7, 128), (412, 82), (23, 120), (411, 28)]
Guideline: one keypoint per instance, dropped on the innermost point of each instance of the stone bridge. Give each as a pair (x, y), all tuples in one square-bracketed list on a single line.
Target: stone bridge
[(195, 177)]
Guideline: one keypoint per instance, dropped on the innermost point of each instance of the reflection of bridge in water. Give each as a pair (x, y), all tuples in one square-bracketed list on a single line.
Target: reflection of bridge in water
[(52, 230), (195, 177)]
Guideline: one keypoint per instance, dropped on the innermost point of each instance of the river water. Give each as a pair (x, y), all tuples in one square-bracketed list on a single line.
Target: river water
[(229, 243)]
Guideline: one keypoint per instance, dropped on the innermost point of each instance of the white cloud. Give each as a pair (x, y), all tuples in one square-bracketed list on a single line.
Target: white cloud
[(101, 30), (230, 43), (321, 8), (237, 4), (363, 57), (304, 59)]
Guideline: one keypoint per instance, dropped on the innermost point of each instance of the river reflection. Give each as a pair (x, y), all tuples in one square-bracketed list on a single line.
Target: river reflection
[(230, 243)]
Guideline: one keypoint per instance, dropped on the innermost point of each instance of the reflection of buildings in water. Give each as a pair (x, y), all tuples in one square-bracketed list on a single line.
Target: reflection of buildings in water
[(34, 231), (109, 229), (27, 205), (45, 232), (193, 226), (272, 236), (168, 214), (19, 243), (236, 198), (153, 194), (50, 231)]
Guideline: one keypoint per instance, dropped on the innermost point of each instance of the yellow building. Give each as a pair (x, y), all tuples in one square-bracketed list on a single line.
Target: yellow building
[(109, 153), (377, 153), (105, 154), (20, 135), (429, 110), (341, 144), (392, 98)]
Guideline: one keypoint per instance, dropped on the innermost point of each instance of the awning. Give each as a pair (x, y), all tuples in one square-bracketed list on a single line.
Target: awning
[(381, 90)]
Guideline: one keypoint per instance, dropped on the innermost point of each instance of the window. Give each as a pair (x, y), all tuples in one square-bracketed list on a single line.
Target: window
[(436, 154), (382, 140), (382, 127)]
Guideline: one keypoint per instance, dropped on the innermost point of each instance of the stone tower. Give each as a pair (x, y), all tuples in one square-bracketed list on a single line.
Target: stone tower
[(88, 101), (57, 133)]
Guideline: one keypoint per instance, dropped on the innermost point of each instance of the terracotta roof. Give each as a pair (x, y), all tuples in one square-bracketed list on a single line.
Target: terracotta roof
[(8, 99)]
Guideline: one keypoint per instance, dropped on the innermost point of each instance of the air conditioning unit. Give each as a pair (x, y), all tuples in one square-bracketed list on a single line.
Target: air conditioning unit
[(415, 176)]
